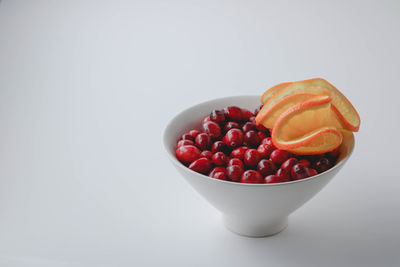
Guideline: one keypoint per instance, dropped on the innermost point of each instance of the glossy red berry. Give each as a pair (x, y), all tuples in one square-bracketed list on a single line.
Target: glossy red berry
[(203, 141), (265, 150), (231, 125), (305, 162), (217, 116), (220, 176), (205, 120), (216, 170), (272, 179), (278, 156), (251, 177), (299, 172), (239, 152), (234, 113), (212, 129), (312, 172), (266, 167), (219, 159), (187, 154), (251, 158), (252, 119), (206, 154), (268, 141), (247, 114), (194, 133), (248, 126), (237, 162), (289, 163), (233, 138), (187, 136), (201, 165), (184, 143), (262, 135), (234, 172), (322, 164), (251, 139), (283, 173), (219, 146)]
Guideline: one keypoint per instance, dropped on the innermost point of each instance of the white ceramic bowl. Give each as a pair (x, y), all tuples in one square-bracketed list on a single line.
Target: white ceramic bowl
[(253, 210)]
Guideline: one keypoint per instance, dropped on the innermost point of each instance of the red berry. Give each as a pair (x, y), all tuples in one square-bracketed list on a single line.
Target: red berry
[(231, 125), (268, 141), (265, 150), (184, 143), (288, 164), (248, 126), (201, 165), (262, 135), (266, 167), (233, 138), (212, 129), (322, 164), (194, 133), (251, 158), (234, 113), (234, 172), (283, 173), (251, 177), (187, 136), (261, 127), (251, 139), (187, 154), (278, 156), (305, 162), (220, 176), (299, 172), (203, 141), (219, 146), (312, 172), (237, 162), (205, 120), (247, 114), (206, 154), (252, 119), (272, 179), (216, 170), (239, 152), (217, 116), (219, 159)]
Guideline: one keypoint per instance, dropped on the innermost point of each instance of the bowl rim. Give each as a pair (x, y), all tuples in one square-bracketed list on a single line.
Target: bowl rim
[(173, 158)]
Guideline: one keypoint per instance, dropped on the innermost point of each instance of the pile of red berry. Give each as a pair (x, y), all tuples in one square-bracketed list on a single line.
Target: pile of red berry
[(232, 147)]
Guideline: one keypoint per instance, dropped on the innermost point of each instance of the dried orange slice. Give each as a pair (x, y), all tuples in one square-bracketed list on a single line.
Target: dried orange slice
[(269, 114), (318, 86), (309, 127), (271, 91)]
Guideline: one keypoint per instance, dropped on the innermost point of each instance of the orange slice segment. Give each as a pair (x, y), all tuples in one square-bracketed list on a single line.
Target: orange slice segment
[(271, 91), (318, 86), (269, 114), (309, 127)]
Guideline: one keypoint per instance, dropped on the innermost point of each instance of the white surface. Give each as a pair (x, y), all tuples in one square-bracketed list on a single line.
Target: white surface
[(86, 89)]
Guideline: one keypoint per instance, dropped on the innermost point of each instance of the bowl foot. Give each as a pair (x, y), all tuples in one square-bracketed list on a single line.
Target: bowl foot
[(255, 228)]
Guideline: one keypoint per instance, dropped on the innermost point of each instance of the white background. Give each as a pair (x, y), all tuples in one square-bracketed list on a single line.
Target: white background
[(86, 89)]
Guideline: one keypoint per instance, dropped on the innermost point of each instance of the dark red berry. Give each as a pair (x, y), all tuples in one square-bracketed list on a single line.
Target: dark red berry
[(220, 176), (305, 162), (312, 172), (237, 162), (299, 172), (239, 152), (201, 165), (322, 164), (283, 173), (231, 125), (217, 116), (334, 153), (184, 143), (194, 133), (212, 129), (248, 126), (219, 159), (219, 146), (272, 179), (289, 163), (205, 120), (216, 170), (206, 154), (261, 127), (187, 136), (233, 138), (265, 150), (266, 167), (251, 139), (234, 113), (251, 158), (234, 172), (203, 141), (187, 154), (278, 156), (262, 135), (251, 177), (247, 114), (268, 141)]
